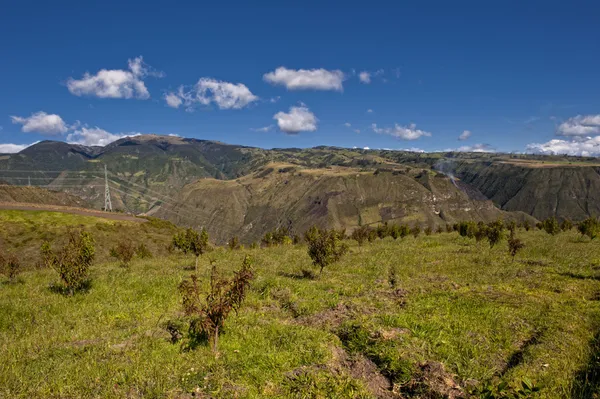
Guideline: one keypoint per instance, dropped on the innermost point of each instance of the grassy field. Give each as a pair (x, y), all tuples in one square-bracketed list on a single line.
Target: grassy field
[(23, 232), (461, 316)]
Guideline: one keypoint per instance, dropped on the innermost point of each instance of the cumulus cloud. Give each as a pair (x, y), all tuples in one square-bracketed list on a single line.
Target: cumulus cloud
[(173, 100), (41, 122), (115, 83), (409, 132), (224, 94), (369, 111), (298, 119), (588, 146), (306, 79), (348, 124), (580, 125), (12, 148), (464, 135), (95, 136), (365, 77)]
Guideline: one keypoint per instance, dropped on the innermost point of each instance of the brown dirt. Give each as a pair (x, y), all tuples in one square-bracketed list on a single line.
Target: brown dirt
[(433, 381), (363, 369), (21, 206)]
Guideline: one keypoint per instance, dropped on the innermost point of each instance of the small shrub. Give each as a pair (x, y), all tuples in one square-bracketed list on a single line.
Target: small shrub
[(208, 316), (73, 261), (383, 230), (360, 234), (495, 232), (123, 252), (324, 247), (449, 228), (234, 243), (551, 226), (190, 241), (9, 266), (566, 225), (143, 252), (514, 245), (589, 227), (393, 276), (440, 229), (526, 225), (428, 230), (415, 231)]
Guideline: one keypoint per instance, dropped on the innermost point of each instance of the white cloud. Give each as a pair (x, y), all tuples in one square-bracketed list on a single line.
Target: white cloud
[(588, 146), (173, 100), (409, 132), (43, 123), (12, 148), (303, 79), (95, 136), (224, 94), (348, 124), (115, 83), (357, 131), (365, 77), (474, 148), (298, 119), (464, 135), (274, 99), (369, 111), (263, 129), (580, 125)]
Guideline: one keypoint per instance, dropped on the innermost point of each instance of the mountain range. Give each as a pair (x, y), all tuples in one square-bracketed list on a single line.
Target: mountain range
[(245, 191)]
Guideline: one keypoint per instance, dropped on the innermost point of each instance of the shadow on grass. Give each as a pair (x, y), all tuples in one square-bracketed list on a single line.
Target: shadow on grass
[(517, 357), (63, 290), (304, 274), (580, 276), (587, 380)]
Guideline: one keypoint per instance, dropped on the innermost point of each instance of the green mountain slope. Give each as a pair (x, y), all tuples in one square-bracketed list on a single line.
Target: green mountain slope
[(156, 174), (295, 197)]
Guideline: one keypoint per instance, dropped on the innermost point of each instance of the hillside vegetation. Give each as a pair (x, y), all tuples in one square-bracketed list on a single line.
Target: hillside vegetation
[(298, 198), (430, 316), (23, 232), (159, 174)]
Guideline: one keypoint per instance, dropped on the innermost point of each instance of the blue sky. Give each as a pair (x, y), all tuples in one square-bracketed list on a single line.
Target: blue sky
[(510, 73)]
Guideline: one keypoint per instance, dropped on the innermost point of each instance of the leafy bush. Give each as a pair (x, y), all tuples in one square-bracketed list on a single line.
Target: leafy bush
[(416, 230), (208, 316), (9, 266), (589, 227), (73, 261), (143, 252), (495, 232), (566, 225), (234, 243), (514, 245), (279, 236), (190, 241), (551, 226), (123, 252), (360, 234), (526, 225), (324, 247), (393, 276)]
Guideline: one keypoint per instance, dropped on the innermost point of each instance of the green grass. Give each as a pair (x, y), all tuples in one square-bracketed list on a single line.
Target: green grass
[(484, 317), (23, 232)]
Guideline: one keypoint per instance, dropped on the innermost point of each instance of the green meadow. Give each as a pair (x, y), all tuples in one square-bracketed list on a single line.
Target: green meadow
[(428, 317)]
